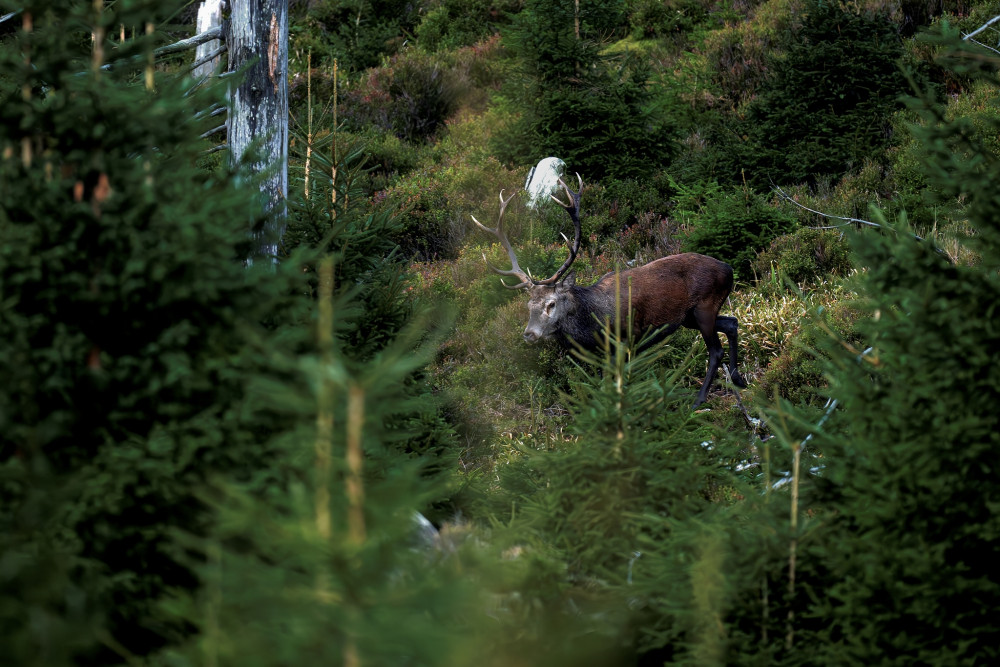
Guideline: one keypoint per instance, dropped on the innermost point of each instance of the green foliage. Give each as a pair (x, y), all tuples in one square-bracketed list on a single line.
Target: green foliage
[(895, 565), (162, 477), (411, 95), (46, 615), (915, 474), (825, 104), (358, 33), (632, 449), (799, 373), (327, 570), (651, 18), (337, 221), (428, 229), (732, 224), (805, 255), (129, 327), (617, 204), (586, 108), (450, 24)]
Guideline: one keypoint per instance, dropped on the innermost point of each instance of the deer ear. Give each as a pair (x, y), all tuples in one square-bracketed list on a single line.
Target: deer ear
[(569, 280)]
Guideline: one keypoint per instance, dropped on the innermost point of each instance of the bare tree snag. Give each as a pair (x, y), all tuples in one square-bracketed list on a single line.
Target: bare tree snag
[(257, 41), (209, 17)]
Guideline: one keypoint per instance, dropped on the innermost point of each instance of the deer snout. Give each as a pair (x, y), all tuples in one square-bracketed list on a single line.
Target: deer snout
[(530, 336)]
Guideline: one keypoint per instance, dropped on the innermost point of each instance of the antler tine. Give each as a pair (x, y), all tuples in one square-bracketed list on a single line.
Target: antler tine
[(515, 270), (573, 208), (573, 197)]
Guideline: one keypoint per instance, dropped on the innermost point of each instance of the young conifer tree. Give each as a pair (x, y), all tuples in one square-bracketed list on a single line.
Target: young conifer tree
[(128, 329), (885, 551), (880, 551), (915, 535), (338, 567), (590, 109), (582, 505)]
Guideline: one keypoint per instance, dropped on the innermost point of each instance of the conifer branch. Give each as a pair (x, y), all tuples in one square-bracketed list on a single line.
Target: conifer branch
[(355, 457), (324, 413)]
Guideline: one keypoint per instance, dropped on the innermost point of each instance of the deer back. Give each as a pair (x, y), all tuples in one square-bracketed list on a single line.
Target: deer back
[(667, 290)]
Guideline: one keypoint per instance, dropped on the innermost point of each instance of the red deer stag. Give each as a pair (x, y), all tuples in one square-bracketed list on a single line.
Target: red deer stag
[(679, 290)]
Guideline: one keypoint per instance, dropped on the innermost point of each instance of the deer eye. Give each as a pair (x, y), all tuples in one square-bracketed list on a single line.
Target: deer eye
[(549, 306)]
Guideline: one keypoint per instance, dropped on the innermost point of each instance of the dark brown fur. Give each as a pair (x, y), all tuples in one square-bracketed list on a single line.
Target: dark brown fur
[(680, 290)]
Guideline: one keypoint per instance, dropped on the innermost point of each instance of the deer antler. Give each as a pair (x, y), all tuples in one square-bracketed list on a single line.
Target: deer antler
[(497, 231), (573, 208)]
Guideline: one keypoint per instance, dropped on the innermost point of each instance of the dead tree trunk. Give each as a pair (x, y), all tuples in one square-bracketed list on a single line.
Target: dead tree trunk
[(209, 16), (258, 46)]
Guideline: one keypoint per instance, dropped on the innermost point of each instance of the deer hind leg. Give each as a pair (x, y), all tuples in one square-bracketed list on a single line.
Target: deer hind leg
[(729, 326), (707, 326)]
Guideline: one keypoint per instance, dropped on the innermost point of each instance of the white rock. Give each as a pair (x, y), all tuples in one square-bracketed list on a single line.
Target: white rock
[(544, 180)]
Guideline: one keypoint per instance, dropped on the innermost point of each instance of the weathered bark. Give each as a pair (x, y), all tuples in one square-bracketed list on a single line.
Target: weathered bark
[(209, 16), (257, 39)]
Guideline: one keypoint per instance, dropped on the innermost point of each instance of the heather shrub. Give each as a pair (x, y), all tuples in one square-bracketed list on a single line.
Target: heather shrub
[(649, 19), (736, 56), (616, 204), (426, 230), (411, 95)]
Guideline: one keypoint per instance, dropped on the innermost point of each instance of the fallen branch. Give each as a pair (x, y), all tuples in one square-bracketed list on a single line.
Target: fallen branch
[(981, 28), (969, 36), (988, 48), (176, 47), (847, 221)]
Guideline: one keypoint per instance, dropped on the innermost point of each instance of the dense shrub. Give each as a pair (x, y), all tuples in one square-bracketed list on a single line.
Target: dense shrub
[(130, 331), (799, 373), (914, 473), (426, 229), (653, 18), (410, 96), (357, 33), (736, 54), (448, 24), (805, 255), (616, 204), (730, 224)]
